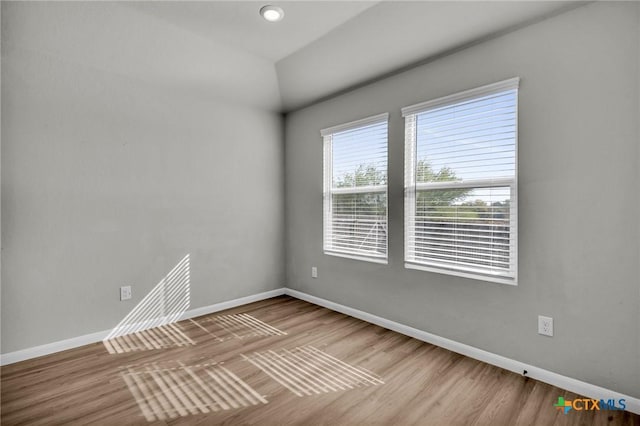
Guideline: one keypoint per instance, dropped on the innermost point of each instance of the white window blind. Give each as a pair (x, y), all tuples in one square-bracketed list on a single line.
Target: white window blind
[(461, 182), (355, 189)]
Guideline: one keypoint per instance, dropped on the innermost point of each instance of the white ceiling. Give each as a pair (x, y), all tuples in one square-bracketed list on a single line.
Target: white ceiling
[(115, 41), (324, 47), (224, 51), (395, 34), (239, 24)]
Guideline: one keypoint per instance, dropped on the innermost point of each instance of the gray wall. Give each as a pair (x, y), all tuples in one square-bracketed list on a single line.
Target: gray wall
[(117, 160), (110, 178), (578, 200), (638, 130)]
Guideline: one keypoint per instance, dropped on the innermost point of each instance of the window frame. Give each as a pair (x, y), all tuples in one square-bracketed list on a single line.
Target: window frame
[(329, 191), (410, 114)]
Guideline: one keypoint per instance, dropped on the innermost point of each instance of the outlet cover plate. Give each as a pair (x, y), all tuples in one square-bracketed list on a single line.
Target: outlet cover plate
[(125, 292), (545, 325)]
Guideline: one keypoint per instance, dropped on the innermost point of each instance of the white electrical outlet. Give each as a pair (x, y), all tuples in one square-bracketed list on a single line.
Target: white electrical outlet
[(125, 292), (314, 272), (545, 325)]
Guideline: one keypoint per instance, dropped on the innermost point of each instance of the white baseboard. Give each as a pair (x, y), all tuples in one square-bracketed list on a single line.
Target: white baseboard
[(50, 348), (74, 342), (564, 382), (205, 310), (555, 379)]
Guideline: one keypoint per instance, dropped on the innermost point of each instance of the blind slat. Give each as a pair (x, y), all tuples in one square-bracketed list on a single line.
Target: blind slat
[(355, 188), (460, 181)]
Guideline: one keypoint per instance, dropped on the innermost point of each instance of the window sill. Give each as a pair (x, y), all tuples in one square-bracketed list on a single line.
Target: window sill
[(481, 277), (379, 260)]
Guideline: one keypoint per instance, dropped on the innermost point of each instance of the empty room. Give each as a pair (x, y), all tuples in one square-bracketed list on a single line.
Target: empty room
[(320, 212)]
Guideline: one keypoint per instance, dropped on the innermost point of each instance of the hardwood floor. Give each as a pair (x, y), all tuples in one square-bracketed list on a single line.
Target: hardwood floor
[(278, 361)]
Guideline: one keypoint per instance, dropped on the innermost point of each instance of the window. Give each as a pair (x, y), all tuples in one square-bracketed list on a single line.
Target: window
[(461, 182), (355, 189)]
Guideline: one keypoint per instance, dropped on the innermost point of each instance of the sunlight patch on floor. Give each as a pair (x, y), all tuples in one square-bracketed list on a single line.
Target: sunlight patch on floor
[(239, 326), (151, 324), (306, 370), (171, 389), (163, 337)]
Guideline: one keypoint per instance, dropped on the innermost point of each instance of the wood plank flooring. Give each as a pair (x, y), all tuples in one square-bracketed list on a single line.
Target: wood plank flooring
[(275, 362)]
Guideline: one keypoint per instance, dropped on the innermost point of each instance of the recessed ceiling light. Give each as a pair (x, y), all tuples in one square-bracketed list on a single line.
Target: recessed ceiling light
[(272, 13)]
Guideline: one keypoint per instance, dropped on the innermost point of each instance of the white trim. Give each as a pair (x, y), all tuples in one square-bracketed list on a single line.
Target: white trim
[(563, 382), (74, 342), (216, 307), (482, 276), (327, 184), (555, 379), (513, 218), (410, 165), (381, 260), (355, 124), (510, 84), (328, 191), (469, 183), (359, 189), (50, 348), (411, 187)]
